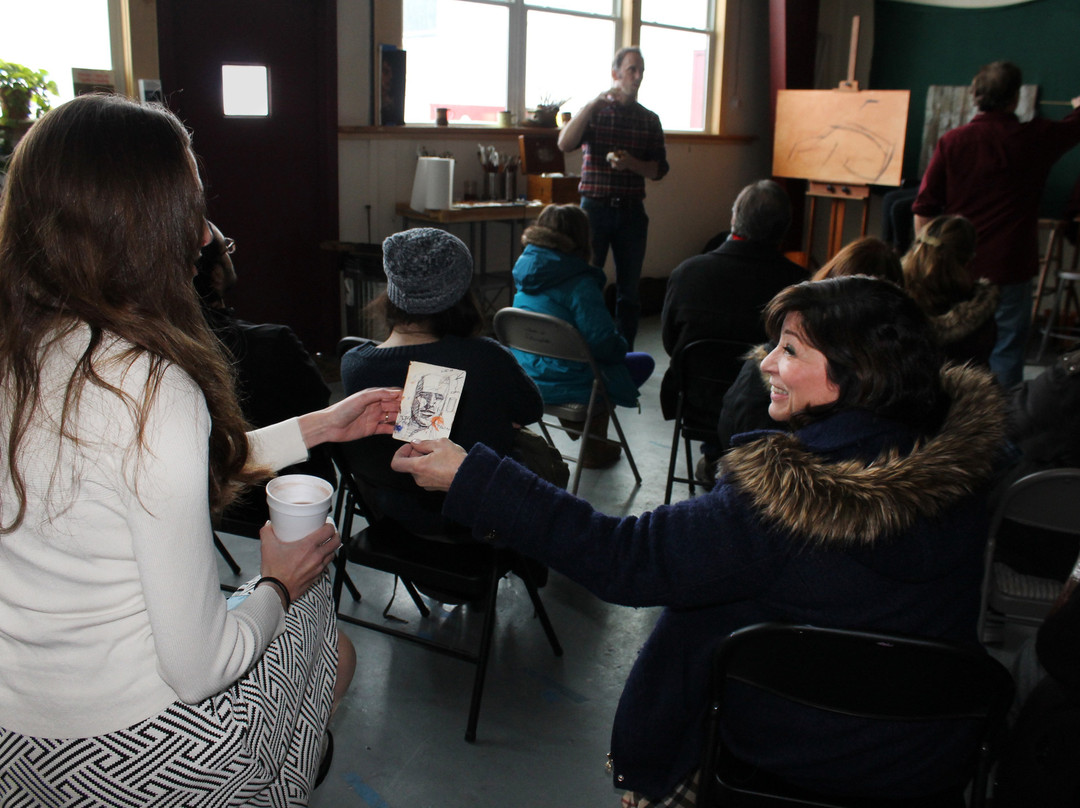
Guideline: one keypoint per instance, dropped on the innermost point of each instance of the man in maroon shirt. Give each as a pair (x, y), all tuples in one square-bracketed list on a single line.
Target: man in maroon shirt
[(992, 171), (622, 144)]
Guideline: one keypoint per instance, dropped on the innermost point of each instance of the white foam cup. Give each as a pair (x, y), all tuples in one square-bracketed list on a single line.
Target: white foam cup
[(299, 504)]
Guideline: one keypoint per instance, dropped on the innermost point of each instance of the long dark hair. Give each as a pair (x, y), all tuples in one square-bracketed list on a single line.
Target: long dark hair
[(101, 221), (879, 346)]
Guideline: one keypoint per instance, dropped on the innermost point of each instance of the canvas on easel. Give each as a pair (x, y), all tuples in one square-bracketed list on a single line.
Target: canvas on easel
[(841, 137)]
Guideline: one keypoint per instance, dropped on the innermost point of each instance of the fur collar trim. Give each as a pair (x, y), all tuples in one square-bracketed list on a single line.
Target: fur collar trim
[(546, 237), (848, 503), (968, 316)]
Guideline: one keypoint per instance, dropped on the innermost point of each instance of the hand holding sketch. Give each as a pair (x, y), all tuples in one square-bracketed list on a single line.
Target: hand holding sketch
[(429, 402)]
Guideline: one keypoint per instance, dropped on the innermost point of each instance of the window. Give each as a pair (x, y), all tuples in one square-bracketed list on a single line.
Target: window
[(57, 35), (478, 57), (245, 91)]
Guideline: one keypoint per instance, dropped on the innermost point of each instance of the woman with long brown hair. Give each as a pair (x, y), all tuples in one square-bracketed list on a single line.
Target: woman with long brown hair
[(121, 432)]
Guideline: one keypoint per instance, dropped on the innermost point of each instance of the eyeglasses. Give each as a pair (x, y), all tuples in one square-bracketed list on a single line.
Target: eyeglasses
[(230, 246)]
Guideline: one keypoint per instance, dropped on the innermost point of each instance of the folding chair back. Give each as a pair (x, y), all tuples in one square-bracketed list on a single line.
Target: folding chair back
[(548, 336), (1046, 502), (856, 673)]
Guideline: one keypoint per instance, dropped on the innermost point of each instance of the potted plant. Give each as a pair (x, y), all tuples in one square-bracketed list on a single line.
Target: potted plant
[(20, 86), (545, 113)]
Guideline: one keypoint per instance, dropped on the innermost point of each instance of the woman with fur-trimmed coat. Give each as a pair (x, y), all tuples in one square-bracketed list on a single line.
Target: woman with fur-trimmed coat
[(870, 515)]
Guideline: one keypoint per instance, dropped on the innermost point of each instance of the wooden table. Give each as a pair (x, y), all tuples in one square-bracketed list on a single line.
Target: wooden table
[(489, 285)]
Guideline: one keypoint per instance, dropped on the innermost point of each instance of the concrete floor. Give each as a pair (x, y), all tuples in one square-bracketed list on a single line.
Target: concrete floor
[(545, 722)]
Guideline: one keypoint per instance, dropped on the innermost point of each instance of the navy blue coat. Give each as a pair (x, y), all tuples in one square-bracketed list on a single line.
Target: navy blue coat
[(821, 526)]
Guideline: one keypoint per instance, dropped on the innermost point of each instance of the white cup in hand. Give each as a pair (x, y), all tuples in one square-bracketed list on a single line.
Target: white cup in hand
[(299, 504)]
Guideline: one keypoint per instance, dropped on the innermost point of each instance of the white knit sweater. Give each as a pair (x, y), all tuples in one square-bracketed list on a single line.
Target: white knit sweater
[(110, 607)]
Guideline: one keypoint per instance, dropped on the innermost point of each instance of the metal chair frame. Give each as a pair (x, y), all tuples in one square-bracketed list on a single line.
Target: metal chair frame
[(1049, 500), (857, 673), (545, 335), (470, 571), (724, 359)]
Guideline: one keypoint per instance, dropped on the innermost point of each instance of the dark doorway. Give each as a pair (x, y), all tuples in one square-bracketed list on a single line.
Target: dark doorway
[(271, 182)]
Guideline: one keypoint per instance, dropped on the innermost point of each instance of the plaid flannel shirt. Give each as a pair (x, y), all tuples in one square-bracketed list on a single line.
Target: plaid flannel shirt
[(631, 128)]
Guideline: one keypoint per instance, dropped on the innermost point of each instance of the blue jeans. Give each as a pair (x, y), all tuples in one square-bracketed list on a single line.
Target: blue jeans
[(1013, 318), (625, 230)]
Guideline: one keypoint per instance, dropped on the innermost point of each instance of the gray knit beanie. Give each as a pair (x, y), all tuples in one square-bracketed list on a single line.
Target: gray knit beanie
[(427, 270)]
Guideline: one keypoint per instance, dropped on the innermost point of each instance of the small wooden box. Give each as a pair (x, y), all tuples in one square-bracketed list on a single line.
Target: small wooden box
[(548, 189), (543, 164)]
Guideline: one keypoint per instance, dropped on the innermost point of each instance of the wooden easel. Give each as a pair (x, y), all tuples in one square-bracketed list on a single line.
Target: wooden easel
[(839, 194)]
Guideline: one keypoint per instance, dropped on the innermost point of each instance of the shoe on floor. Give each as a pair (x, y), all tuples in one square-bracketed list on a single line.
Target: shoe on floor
[(705, 472)]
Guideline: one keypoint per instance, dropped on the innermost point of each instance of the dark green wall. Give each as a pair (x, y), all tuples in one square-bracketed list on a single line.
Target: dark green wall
[(916, 46)]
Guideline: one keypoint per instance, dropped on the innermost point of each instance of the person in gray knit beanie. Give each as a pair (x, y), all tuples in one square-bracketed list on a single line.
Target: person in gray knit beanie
[(427, 270)]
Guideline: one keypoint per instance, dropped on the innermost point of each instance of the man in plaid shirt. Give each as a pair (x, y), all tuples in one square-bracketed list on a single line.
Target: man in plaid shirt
[(622, 145)]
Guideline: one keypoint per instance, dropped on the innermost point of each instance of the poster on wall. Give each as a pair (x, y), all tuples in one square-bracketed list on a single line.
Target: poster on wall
[(92, 81), (391, 86)]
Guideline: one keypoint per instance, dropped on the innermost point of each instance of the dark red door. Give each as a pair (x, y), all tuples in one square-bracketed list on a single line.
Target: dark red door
[(271, 182)]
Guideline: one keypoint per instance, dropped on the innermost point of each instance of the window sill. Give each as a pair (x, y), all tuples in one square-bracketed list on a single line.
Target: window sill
[(466, 132)]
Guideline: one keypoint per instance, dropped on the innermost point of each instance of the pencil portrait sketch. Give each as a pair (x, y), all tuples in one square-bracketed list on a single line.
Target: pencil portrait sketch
[(429, 401)]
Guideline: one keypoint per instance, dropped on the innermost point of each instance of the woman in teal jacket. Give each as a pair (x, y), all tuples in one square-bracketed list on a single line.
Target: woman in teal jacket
[(553, 276)]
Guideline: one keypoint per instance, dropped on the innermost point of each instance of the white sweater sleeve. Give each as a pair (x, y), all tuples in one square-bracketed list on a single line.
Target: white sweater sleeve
[(278, 445), (201, 647)]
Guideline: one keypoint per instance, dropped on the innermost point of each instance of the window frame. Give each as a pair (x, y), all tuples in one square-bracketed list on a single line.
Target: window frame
[(626, 16)]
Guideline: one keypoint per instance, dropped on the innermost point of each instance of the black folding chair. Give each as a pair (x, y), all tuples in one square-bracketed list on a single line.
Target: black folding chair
[(463, 572), (704, 370), (856, 673)]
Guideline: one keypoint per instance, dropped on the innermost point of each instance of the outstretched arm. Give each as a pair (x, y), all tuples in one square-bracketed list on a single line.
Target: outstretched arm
[(369, 412)]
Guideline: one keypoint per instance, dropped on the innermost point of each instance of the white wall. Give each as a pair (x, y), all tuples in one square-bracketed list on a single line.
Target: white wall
[(686, 208)]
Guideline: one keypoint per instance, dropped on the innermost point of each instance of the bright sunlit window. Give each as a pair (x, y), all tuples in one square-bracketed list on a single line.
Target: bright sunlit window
[(57, 35), (245, 90), (477, 57)]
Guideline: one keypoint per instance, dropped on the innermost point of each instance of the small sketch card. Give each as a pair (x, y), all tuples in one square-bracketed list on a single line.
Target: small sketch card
[(429, 402)]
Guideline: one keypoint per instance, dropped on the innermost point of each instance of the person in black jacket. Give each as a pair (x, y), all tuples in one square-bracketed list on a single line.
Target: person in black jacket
[(722, 293), (276, 377)]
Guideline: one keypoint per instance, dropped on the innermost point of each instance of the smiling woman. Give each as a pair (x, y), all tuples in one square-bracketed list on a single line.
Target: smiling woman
[(798, 373), (870, 515)]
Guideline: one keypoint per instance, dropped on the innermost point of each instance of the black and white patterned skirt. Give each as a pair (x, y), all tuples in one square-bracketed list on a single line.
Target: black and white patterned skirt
[(255, 744)]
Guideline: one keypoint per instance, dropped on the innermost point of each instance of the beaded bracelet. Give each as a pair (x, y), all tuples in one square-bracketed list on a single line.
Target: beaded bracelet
[(284, 590)]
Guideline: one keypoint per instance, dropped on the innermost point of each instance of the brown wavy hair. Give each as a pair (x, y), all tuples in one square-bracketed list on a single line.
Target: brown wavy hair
[(101, 221), (936, 267)]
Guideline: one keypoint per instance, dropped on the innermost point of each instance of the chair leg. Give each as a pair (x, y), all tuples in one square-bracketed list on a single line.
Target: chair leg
[(672, 460), (625, 444), (353, 591), (690, 476), (420, 605), (221, 548), (482, 656), (542, 615)]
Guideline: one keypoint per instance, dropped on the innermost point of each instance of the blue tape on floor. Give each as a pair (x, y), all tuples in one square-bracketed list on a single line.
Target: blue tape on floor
[(365, 792), (556, 690)]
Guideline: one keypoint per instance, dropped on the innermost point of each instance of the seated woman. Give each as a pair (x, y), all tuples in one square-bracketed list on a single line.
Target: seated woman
[(960, 307), (553, 276), (433, 317), (121, 432), (870, 513), (746, 402)]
